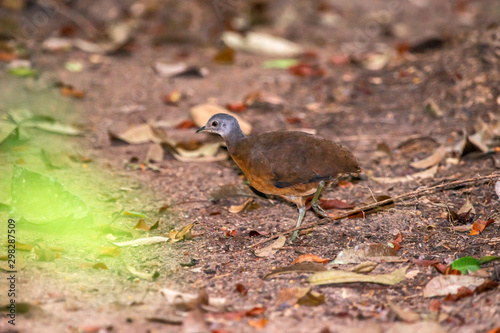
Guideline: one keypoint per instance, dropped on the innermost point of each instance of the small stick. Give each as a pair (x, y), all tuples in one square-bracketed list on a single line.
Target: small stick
[(401, 197)]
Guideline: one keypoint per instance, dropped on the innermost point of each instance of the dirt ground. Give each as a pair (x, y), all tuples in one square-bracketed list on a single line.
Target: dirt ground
[(440, 78)]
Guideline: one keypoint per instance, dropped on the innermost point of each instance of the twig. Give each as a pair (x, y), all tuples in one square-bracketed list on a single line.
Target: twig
[(401, 197)]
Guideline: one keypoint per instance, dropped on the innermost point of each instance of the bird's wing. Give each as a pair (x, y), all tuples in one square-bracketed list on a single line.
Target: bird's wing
[(292, 158)]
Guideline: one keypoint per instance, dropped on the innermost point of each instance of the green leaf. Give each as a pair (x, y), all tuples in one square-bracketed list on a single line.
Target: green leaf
[(6, 129), (19, 116), (487, 259), (466, 265), (4, 207), (54, 127), (280, 63), (41, 199), (22, 71)]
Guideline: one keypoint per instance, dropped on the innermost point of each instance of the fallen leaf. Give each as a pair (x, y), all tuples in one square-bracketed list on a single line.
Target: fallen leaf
[(236, 107), (172, 98), (304, 267), (423, 262), (487, 259), (204, 152), (306, 70), (262, 100), (169, 70), (186, 124), (142, 275), (497, 187), (271, 248), (338, 276), (225, 56), (309, 257), (40, 199), (261, 43), (334, 204), (6, 129), (365, 252), (431, 172), (364, 267), (100, 265), (231, 233), (142, 225), (111, 251), (255, 233), (396, 241), (479, 226), (248, 205), (443, 285), (405, 315), (301, 296), (462, 292), (463, 228), (467, 212), (241, 289), (433, 109), (438, 155), (143, 241), (201, 113), (259, 323), (466, 265), (136, 134), (279, 63), (183, 234)]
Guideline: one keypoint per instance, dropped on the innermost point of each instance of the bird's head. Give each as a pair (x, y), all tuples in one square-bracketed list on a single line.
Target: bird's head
[(223, 124)]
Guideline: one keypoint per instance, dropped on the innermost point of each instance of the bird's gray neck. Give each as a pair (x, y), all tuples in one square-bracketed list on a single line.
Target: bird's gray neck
[(234, 137)]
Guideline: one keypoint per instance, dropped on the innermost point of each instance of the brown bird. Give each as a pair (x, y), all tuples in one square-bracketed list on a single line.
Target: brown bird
[(292, 165)]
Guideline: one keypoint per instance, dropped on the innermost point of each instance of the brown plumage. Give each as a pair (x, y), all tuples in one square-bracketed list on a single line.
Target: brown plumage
[(293, 165)]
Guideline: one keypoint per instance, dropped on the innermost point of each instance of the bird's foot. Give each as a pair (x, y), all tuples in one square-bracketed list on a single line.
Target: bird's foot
[(318, 210), (294, 237)]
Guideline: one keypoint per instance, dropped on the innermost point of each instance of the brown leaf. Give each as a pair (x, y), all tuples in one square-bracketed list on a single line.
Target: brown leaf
[(305, 70), (435, 305), (479, 226), (236, 107), (186, 124), (248, 205), (423, 262), (309, 257), (241, 289), (255, 233), (70, 91), (461, 293), (293, 120), (172, 98), (225, 56), (305, 267), (259, 323), (397, 240), (255, 311), (334, 204), (231, 233), (271, 248), (141, 225)]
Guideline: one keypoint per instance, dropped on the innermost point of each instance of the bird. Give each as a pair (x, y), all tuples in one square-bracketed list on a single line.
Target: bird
[(290, 164)]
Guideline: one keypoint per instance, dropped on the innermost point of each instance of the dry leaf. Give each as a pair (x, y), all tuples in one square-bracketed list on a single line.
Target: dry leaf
[(364, 267), (304, 267), (338, 276), (257, 42), (112, 251), (271, 248), (201, 113), (259, 323), (136, 134), (309, 257), (241, 289), (432, 160), (479, 226), (236, 107), (141, 225), (363, 252), (449, 284), (463, 228), (405, 315), (186, 124), (187, 300), (143, 241), (248, 205), (183, 234)]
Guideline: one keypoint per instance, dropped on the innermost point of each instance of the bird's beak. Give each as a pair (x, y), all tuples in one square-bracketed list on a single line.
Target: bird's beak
[(203, 129)]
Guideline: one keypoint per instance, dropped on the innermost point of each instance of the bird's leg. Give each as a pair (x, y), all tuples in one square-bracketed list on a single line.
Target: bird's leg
[(302, 213), (315, 201)]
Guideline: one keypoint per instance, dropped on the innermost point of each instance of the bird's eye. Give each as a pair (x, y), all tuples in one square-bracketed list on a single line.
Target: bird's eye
[(214, 124)]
